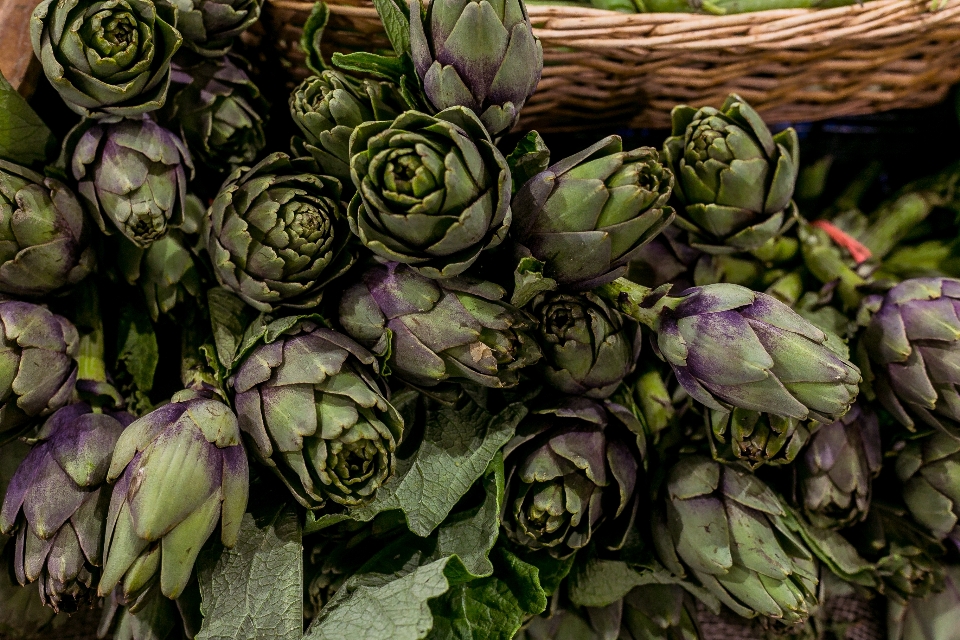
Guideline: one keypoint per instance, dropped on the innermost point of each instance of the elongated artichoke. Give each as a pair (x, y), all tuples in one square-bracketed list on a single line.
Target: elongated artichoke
[(106, 58), (134, 174), (478, 54), (209, 27), (727, 527), (57, 502), (44, 236), (929, 469), (734, 179), (432, 191), (756, 438), (276, 233), (311, 404), (179, 471), (587, 216), (435, 330)]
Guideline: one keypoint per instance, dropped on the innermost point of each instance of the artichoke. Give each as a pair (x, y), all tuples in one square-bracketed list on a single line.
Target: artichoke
[(570, 472), (311, 405), (587, 216), (209, 27), (837, 468), (133, 173), (44, 236), (728, 528), (38, 352), (276, 233), (436, 330), (929, 469), (57, 504), (432, 191), (106, 58), (734, 179), (756, 438), (650, 612), (911, 351), (588, 347), (934, 617), (327, 108), (179, 470), (478, 54), (165, 271)]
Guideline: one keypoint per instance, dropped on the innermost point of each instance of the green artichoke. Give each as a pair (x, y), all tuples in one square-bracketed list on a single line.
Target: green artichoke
[(588, 347), (44, 236), (179, 470), (650, 612), (276, 233), (134, 174), (929, 469), (756, 438), (734, 179), (587, 216), (478, 54), (327, 108), (312, 407), (727, 527), (435, 330), (432, 191), (106, 58), (209, 27), (57, 504), (934, 617)]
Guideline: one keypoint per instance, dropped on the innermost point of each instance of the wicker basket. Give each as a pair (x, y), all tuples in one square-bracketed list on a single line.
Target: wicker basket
[(604, 68)]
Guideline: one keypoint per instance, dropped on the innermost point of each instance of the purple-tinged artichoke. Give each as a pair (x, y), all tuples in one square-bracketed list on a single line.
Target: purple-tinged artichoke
[(56, 504), (929, 469), (756, 438), (478, 54), (310, 403), (434, 330), (209, 27)]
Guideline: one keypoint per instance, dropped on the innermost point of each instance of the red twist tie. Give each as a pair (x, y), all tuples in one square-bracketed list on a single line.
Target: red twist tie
[(858, 252)]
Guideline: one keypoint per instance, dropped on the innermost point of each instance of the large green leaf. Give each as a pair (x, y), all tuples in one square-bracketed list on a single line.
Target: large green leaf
[(24, 138)]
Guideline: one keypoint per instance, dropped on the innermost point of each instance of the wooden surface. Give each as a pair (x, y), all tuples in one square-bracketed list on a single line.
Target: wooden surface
[(17, 62)]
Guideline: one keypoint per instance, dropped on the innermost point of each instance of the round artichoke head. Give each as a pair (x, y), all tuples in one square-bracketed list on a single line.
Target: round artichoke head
[(57, 501), (312, 407), (733, 347), (912, 351), (478, 54), (756, 438), (436, 330), (929, 469), (276, 233), (106, 58), (432, 191), (179, 471), (209, 27), (44, 236), (134, 174), (587, 216), (569, 472), (588, 347), (735, 179), (727, 528)]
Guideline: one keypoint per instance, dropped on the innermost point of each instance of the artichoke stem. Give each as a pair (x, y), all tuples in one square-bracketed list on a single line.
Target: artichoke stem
[(654, 398), (90, 362), (643, 304), (827, 265), (893, 222)]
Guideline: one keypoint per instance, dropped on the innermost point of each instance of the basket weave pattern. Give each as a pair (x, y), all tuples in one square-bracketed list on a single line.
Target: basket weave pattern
[(793, 65)]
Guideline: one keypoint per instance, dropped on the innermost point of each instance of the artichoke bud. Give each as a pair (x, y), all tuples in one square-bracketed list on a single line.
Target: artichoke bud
[(928, 469), (165, 271), (311, 405), (209, 27), (430, 331), (44, 235), (134, 174), (587, 216), (478, 54), (932, 616), (756, 438), (659, 612), (735, 179), (178, 472), (277, 235), (56, 505)]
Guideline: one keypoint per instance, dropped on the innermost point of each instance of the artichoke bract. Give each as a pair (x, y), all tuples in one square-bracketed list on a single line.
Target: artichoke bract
[(435, 330), (134, 174), (478, 54), (588, 347), (165, 272), (57, 504), (209, 27), (733, 347), (587, 216), (179, 471), (837, 468), (570, 471), (327, 108), (756, 438), (930, 472), (277, 234), (735, 179), (310, 403), (44, 235), (650, 612), (38, 368), (432, 191), (727, 527), (911, 349), (934, 617), (106, 58)]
